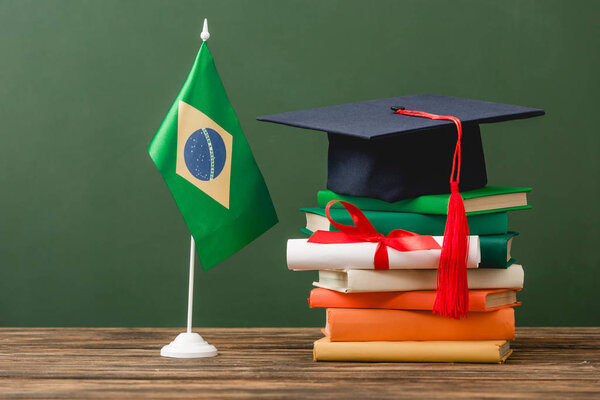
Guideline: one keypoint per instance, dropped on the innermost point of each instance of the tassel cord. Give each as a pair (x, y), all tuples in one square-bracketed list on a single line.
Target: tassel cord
[(452, 299)]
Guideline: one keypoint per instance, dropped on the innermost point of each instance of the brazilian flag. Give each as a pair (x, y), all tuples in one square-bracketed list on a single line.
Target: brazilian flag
[(203, 156)]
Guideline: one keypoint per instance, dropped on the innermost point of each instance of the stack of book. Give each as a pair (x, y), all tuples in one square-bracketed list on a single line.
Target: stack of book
[(385, 315), (390, 158)]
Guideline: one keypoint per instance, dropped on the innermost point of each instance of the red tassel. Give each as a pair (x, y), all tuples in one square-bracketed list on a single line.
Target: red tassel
[(452, 299)]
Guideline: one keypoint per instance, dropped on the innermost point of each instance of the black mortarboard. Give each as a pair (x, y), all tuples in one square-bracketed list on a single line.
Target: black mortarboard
[(375, 152)]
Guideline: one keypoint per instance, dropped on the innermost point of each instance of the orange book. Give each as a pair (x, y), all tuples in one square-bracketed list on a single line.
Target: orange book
[(357, 324), (479, 300)]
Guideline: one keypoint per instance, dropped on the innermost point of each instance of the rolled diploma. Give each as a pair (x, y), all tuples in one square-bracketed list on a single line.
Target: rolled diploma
[(303, 255)]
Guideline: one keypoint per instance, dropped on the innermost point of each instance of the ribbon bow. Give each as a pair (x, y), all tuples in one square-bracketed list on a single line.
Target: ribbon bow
[(363, 231)]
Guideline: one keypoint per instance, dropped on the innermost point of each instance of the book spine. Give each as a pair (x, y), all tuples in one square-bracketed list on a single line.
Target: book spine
[(423, 224), (405, 280), (429, 204), (410, 351), (414, 300), (494, 250), (346, 324), (423, 205)]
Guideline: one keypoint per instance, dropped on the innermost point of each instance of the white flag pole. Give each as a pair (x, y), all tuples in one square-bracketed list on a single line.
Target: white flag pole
[(191, 283), (190, 344)]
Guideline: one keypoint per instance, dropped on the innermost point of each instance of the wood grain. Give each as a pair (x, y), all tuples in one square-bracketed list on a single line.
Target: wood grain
[(113, 363)]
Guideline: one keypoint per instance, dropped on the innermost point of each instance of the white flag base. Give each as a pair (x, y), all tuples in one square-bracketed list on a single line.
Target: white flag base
[(188, 345)]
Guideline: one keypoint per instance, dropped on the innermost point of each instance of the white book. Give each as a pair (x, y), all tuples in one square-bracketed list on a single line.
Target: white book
[(304, 255), (400, 280)]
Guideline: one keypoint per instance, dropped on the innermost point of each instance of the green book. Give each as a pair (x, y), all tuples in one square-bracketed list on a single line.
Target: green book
[(489, 199), (424, 224), (495, 249)]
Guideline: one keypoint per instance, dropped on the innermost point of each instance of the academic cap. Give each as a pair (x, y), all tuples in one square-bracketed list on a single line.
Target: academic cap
[(375, 152)]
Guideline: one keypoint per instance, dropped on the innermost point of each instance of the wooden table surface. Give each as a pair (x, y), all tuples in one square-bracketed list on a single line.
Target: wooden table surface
[(113, 363)]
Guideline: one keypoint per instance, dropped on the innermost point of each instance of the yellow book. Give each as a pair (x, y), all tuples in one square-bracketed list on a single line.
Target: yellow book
[(472, 351)]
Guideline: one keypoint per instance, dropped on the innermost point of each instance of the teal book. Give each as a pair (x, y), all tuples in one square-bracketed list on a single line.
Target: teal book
[(424, 224), (489, 199), (495, 249)]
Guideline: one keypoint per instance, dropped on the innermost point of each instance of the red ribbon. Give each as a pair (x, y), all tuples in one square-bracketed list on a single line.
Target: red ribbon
[(363, 231)]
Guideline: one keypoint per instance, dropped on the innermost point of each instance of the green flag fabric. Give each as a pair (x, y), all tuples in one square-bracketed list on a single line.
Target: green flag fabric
[(203, 156)]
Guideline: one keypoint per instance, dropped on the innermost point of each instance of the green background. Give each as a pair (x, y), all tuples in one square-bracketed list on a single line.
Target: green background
[(89, 234)]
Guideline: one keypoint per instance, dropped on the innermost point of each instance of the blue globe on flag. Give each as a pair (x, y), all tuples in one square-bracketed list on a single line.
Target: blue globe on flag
[(205, 154)]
